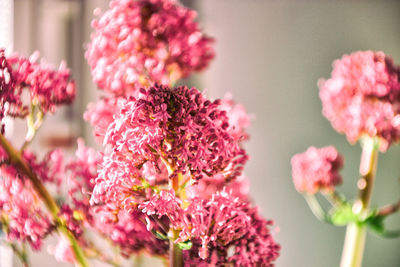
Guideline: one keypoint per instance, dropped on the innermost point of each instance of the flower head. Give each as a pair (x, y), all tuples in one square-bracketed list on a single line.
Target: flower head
[(176, 127), (206, 187), (47, 87), (223, 229), (21, 212), (129, 231), (239, 120), (101, 114), (138, 42), (317, 169), (362, 97), (7, 95), (63, 251)]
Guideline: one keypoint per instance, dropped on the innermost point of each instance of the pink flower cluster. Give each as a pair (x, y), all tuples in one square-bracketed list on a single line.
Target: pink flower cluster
[(178, 127), (238, 118), (81, 172), (125, 229), (139, 42), (47, 87), (129, 231), (100, 115), (21, 211), (317, 169), (216, 225), (7, 95), (362, 97), (208, 186)]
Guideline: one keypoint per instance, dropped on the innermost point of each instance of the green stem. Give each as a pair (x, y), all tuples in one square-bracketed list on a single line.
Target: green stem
[(354, 243), (33, 126), (16, 159), (175, 252), (138, 262), (20, 253), (316, 208)]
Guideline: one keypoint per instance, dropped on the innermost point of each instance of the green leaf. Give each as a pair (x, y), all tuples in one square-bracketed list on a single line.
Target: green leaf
[(375, 223), (185, 245), (343, 215), (160, 235)]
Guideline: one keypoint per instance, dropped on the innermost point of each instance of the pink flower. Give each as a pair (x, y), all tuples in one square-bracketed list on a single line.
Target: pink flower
[(136, 43), (47, 87), (8, 97), (129, 231), (178, 127), (208, 186), (239, 120), (362, 97), (223, 229), (317, 169), (80, 173), (100, 115), (21, 209), (63, 251), (165, 204)]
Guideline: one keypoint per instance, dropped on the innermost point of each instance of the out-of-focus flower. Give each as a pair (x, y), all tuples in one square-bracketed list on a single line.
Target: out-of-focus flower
[(21, 211), (80, 172), (362, 97), (63, 251), (178, 126), (239, 120), (317, 169), (138, 42), (100, 115), (7, 94), (47, 87), (129, 231)]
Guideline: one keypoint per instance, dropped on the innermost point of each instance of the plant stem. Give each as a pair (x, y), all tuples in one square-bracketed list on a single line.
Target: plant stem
[(354, 243), (16, 159), (33, 125), (175, 252), (316, 208), (387, 210)]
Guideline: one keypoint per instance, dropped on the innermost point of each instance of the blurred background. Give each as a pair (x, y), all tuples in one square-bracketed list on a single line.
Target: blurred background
[(270, 55)]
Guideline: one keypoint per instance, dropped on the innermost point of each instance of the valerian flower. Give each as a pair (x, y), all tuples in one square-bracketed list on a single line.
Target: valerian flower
[(239, 119), (129, 231), (362, 97), (47, 87), (139, 42), (223, 229), (177, 127), (100, 115), (317, 169), (21, 212), (8, 96)]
